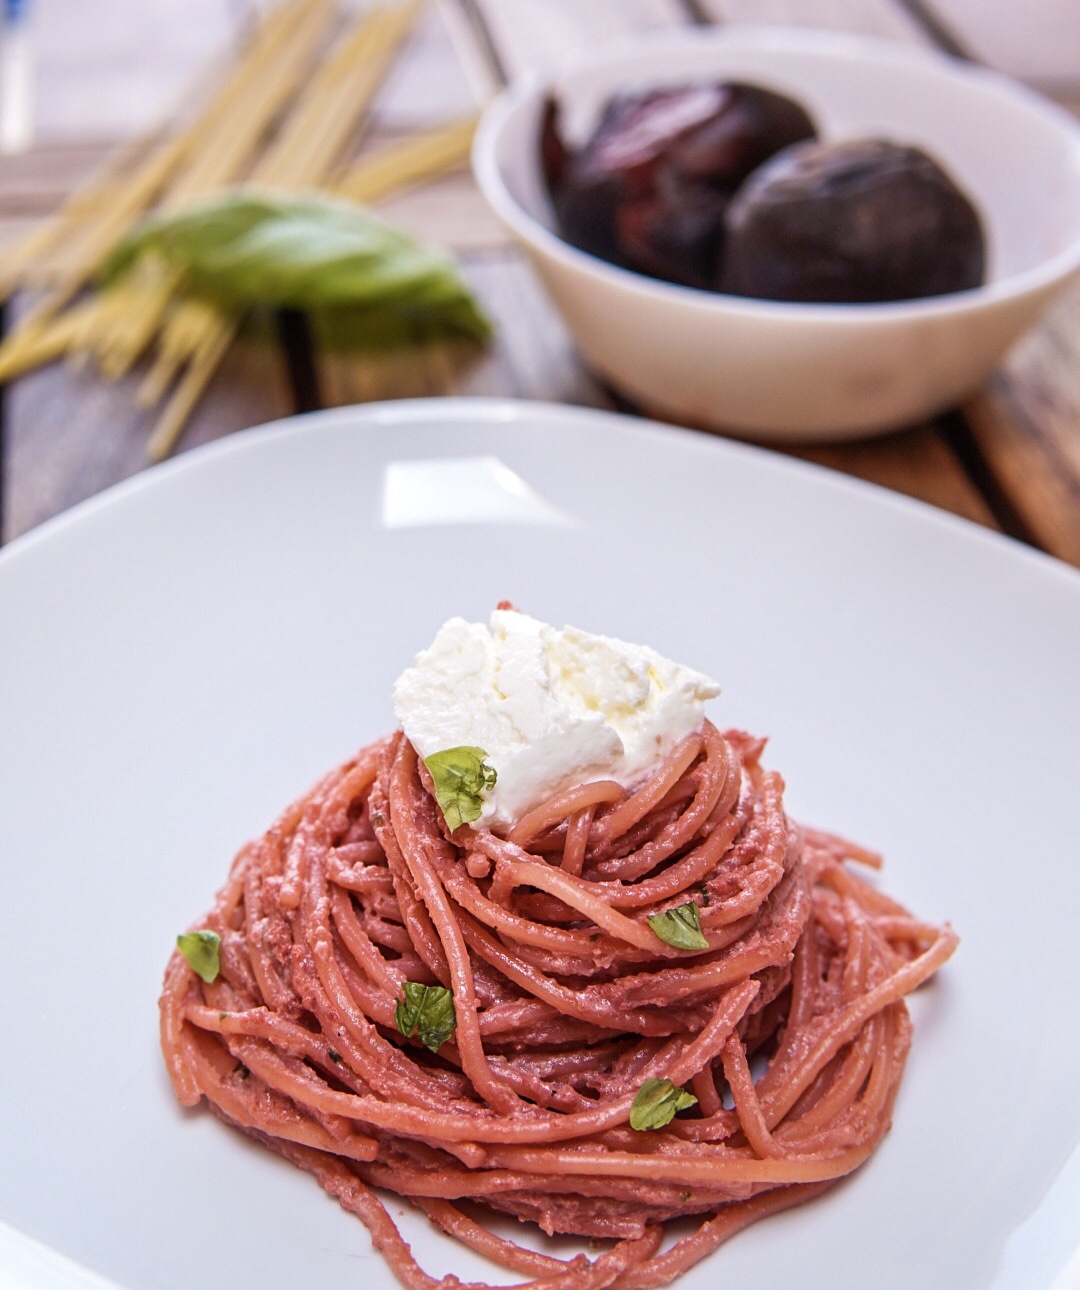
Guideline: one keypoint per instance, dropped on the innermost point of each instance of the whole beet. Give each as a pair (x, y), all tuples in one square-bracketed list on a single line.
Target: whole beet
[(650, 188), (853, 222)]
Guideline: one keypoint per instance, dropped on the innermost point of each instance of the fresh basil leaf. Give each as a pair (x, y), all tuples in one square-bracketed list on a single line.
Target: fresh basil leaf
[(656, 1102), (366, 283), (461, 777), (680, 927), (203, 953), (427, 1011)]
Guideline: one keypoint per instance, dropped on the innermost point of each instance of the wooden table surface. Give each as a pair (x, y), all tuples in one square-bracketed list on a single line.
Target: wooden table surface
[(1009, 458)]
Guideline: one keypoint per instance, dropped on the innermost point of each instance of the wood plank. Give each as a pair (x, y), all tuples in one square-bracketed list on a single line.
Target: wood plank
[(884, 18), (111, 70), (1037, 41), (1066, 97), (107, 72), (37, 181), (528, 33), (449, 211), (430, 84), (531, 356), (915, 462), (14, 227), (70, 434), (1026, 425), (441, 72), (532, 342), (34, 184)]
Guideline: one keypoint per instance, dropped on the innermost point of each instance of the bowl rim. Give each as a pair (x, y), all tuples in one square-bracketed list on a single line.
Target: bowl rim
[(1048, 275)]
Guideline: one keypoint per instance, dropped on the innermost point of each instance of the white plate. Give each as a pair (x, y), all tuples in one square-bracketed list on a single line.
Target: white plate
[(182, 656)]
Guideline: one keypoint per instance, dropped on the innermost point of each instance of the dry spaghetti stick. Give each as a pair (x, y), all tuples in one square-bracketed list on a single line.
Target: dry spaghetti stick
[(133, 197), (259, 93), (400, 164), (257, 99), (344, 88), (188, 323), (98, 313), (394, 167), (20, 262), (153, 285), (145, 297), (340, 94), (42, 344), (201, 135), (52, 251), (43, 340), (106, 197), (162, 372), (194, 381)]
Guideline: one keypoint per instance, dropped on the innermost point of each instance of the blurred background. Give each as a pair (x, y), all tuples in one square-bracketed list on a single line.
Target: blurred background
[(79, 80), (106, 69)]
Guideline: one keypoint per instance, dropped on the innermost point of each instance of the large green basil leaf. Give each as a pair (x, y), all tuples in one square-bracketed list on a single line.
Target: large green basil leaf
[(366, 283)]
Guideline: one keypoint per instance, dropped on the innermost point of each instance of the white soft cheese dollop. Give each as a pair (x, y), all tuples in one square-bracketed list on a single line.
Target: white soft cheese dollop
[(551, 708)]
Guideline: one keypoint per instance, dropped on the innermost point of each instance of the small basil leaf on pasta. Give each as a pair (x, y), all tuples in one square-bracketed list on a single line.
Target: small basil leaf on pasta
[(202, 950), (656, 1103), (461, 777), (680, 927), (427, 1011)]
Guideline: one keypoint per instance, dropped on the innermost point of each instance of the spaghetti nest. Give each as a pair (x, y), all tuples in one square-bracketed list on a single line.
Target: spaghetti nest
[(789, 1029)]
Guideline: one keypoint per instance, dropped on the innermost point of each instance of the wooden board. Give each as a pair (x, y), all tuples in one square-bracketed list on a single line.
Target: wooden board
[(1037, 41), (70, 434), (1026, 426), (1011, 457), (883, 18), (106, 70)]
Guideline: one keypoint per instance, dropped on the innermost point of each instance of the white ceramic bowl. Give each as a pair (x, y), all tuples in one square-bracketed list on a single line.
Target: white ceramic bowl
[(805, 371)]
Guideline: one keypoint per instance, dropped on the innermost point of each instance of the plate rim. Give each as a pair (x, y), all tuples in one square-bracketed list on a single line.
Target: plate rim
[(490, 410)]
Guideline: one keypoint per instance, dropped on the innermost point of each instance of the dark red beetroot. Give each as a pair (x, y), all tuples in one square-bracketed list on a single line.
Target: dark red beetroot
[(650, 189), (854, 222)]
